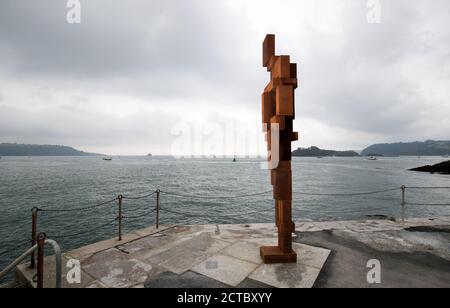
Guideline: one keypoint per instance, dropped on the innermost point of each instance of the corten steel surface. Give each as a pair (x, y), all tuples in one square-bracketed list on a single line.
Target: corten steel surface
[(278, 113)]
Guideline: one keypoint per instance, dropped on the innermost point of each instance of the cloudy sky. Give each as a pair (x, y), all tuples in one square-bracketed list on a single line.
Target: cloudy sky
[(132, 74)]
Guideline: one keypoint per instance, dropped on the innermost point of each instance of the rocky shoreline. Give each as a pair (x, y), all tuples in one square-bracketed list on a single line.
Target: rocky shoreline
[(442, 168)]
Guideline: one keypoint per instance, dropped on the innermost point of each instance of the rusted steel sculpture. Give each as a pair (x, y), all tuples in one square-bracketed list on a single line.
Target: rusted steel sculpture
[(278, 113)]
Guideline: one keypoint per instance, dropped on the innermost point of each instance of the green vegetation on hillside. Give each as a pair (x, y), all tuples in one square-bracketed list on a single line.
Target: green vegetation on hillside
[(427, 148), (316, 152), (14, 149)]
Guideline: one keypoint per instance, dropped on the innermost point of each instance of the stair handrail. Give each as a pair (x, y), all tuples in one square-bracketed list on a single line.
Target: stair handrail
[(58, 263)]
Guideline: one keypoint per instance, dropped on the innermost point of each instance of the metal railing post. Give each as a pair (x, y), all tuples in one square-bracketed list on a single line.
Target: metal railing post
[(40, 264), (34, 212), (120, 198), (403, 187), (158, 192)]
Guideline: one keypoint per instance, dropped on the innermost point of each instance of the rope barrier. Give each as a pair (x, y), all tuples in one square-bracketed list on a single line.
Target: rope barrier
[(428, 204), (140, 197), (204, 215), (417, 187), (232, 197), (214, 197), (232, 214), (95, 205), (85, 232), (77, 209), (350, 194), (327, 211), (139, 216)]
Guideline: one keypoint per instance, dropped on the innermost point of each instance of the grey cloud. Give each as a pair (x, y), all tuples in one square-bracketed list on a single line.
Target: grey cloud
[(360, 84), (361, 78), (75, 127), (159, 45)]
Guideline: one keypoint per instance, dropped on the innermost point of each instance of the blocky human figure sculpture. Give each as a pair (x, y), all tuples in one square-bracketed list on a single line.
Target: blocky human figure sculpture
[(278, 113)]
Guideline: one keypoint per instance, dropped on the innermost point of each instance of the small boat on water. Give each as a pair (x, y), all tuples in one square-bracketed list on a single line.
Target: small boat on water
[(107, 158), (149, 154), (234, 159), (371, 158)]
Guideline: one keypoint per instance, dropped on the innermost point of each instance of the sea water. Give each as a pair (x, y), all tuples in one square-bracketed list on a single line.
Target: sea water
[(207, 188)]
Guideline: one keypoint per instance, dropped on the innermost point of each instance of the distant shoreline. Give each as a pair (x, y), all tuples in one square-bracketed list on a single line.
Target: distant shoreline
[(14, 149)]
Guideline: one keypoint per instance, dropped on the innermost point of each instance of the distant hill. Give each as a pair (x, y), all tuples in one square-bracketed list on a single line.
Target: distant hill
[(427, 148), (14, 149), (316, 152)]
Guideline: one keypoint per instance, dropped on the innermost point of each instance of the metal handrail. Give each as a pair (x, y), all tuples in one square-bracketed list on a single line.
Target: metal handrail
[(31, 250)]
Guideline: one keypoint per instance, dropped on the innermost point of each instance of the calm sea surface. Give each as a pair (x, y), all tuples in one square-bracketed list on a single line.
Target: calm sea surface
[(62, 183)]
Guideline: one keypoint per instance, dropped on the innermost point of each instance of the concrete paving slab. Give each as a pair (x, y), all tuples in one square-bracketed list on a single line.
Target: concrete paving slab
[(115, 270), (332, 225), (310, 252), (416, 252), (189, 253), (308, 258), (286, 275), (145, 244), (187, 231), (272, 241), (244, 250), (444, 218), (225, 269), (310, 255), (96, 285), (188, 279), (248, 283), (249, 251), (306, 227), (209, 229), (173, 241), (409, 222), (151, 230), (82, 252), (233, 233)]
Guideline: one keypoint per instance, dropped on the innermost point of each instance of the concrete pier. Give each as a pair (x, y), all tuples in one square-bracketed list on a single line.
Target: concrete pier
[(413, 253)]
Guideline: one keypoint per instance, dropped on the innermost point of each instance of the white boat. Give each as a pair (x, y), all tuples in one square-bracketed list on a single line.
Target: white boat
[(371, 158), (107, 158)]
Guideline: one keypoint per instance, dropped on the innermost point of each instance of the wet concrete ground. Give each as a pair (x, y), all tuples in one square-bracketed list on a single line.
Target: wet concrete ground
[(411, 267), (414, 253)]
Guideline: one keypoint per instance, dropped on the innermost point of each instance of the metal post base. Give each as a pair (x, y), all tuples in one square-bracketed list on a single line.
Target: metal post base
[(273, 254)]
